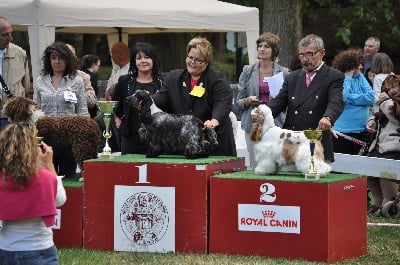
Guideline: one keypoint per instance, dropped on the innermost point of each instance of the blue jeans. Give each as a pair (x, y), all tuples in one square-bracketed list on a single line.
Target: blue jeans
[(3, 123), (37, 257)]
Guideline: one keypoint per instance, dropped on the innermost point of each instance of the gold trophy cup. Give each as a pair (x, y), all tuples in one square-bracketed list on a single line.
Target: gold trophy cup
[(106, 108), (313, 136)]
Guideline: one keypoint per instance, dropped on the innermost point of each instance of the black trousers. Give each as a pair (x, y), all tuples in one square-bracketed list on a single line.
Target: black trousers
[(64, 163)]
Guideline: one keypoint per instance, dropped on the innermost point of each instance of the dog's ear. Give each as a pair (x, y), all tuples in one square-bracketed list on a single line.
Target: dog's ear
[(19, 109), (256, 132)]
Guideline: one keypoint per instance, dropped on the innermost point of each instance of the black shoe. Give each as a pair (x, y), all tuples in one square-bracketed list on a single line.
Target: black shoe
[(374, 211)]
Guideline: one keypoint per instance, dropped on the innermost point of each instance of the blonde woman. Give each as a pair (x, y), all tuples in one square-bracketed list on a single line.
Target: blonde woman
[(203, 92), (30, 191)]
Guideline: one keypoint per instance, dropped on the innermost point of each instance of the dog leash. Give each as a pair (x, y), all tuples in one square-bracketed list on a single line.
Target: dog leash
[(5, 88), (348, 137)]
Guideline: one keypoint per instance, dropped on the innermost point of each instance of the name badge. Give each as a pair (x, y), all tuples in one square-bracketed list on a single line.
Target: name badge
[(70, 97), (266, 79)]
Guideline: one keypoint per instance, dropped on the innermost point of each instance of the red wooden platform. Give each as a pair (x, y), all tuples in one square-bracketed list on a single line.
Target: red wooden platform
[(190, 180), (70, 231), (315, 220)]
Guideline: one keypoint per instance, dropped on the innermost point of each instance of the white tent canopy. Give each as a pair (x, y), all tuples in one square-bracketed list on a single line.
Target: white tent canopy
[(43, 18)]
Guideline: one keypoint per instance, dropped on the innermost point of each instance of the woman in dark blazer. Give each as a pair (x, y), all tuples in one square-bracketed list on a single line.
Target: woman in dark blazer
[(203, 92)]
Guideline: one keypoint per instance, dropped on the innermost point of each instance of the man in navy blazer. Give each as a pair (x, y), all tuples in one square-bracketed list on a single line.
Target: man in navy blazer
[(311, 96)]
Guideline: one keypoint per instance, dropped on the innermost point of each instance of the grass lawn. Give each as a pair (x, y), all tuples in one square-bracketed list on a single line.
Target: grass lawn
[(383, 248)]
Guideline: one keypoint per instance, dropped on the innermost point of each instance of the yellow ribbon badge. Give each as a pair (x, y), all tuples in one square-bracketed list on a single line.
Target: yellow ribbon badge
[(198, 91)]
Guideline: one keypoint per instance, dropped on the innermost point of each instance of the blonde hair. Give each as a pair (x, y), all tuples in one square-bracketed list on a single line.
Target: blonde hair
[(19, 158), (203, 46), (381, 63)]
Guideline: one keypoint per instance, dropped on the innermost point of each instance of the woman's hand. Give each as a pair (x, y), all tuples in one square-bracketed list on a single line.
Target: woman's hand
[(211, 124), (350, 72), (251, 101), (117, 121), (46, 155), (371, 76), (371, 126), (383, 96)]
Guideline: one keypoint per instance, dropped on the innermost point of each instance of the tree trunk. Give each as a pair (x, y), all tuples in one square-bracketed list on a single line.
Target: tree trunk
[(283, 18), (170, 47)]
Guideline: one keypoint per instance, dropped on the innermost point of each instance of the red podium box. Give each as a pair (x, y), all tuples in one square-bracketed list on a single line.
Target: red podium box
[(70, 231), (286, 216), (189, 177)]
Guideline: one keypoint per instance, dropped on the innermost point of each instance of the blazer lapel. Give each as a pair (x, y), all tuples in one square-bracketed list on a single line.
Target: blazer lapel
[(303, 92), (300, 93)]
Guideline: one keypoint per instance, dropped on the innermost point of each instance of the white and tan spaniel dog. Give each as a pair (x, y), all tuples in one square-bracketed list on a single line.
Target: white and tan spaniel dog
[(276, 147)]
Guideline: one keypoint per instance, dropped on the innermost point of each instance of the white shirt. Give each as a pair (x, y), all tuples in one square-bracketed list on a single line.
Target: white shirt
[(116, 73)]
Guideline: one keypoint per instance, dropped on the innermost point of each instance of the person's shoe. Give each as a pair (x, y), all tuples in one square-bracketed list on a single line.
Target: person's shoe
[(375, 211), (378, 212)]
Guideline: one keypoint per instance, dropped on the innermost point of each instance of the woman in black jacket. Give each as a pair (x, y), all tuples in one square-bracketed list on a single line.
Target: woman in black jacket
[(203, 92), (144, 74)]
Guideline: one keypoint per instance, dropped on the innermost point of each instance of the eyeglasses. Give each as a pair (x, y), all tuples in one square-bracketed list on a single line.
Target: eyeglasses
[(308, 55), (7, 35), (195, 60)]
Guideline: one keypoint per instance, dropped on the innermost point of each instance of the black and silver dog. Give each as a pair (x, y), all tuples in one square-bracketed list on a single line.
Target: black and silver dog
[(165, 133)]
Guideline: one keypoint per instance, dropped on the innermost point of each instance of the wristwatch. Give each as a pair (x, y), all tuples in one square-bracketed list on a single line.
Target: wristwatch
[(328, 118)]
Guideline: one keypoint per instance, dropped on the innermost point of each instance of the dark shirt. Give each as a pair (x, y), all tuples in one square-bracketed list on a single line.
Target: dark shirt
[(130, 123), (215, 103)]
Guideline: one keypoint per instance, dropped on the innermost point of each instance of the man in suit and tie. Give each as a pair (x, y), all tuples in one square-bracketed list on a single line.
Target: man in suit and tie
[(311, 96)]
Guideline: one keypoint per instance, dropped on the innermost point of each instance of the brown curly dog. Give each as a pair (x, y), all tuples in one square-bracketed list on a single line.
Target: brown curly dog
[(81, 134)]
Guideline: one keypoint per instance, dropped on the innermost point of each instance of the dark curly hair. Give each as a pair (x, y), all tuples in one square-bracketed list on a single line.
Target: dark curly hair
[(62, 50), (150, 51), (348, 59), (88, 61)]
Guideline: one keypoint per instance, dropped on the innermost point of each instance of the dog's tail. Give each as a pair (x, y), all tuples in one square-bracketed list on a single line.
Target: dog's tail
[(210, 140)]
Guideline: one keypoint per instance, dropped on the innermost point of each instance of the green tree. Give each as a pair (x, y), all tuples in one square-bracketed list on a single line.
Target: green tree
[(356, 14)]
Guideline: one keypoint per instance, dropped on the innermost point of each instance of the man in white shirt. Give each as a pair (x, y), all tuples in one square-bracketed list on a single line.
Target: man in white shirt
[(120, 57), (13, 67), (371, 48)]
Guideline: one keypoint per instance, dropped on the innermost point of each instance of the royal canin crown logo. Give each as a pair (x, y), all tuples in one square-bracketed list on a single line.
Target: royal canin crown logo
[(268, 214)]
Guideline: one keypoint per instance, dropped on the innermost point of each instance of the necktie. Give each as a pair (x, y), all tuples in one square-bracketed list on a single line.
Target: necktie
[(308, 77)]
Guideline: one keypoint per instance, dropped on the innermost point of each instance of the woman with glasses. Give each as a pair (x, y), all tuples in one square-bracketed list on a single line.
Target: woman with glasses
[(311, 96), (203, 92), (253, 84)]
